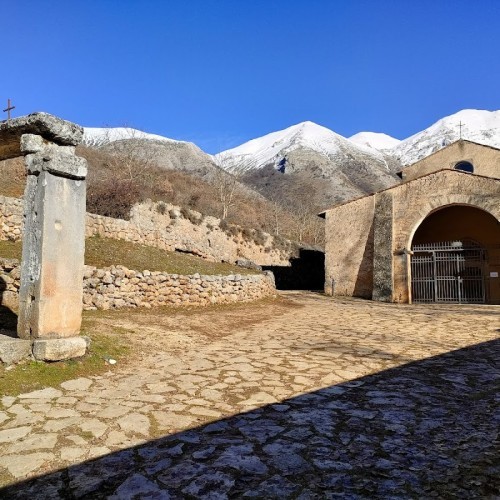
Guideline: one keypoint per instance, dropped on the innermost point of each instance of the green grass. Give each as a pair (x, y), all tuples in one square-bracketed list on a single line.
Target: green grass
[(29, 376), (105, 252)]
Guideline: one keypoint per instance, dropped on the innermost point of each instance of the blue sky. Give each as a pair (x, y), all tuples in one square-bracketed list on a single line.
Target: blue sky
[(220, 72)]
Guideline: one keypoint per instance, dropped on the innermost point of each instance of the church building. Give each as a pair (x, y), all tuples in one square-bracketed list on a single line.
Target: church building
[(433, 238)]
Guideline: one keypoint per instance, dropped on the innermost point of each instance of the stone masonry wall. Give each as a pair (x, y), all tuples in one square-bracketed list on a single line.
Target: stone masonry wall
[(171, 228), (414, 201), (486, 160), (11, 218), (117, 287), (349, 248)]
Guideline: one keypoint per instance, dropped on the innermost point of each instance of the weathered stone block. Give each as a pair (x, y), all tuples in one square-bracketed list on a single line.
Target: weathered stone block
[(31, 143), (58, 163), (48, 126), (13, 350), (58, 349)]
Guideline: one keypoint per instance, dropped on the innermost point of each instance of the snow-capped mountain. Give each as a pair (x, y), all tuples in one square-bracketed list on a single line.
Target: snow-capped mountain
[(476, 125), (99, 136), (374, 140), (315, 158), (273, 148), (332, 167)]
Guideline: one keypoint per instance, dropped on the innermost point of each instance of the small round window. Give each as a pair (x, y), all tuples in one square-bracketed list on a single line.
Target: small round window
[(465, 166)]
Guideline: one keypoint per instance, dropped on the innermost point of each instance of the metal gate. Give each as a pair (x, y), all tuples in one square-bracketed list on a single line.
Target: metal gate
[(450, 272)]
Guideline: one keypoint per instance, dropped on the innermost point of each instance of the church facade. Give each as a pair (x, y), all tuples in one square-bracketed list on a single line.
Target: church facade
[(433, 238)]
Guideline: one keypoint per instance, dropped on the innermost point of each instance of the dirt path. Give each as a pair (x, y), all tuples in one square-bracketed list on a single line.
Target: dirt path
[(297, 398)]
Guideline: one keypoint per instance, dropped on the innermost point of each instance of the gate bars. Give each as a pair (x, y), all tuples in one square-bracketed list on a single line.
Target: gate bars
[(451, 272)]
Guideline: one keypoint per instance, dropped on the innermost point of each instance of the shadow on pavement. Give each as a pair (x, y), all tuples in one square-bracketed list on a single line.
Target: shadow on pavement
[(425, 429)]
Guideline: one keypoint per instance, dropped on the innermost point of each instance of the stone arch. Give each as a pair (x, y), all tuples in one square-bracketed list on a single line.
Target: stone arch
[(436, 204), (460, 222)]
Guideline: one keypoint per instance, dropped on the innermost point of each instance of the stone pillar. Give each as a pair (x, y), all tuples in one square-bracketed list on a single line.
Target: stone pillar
[(382, 248), (50, 296)]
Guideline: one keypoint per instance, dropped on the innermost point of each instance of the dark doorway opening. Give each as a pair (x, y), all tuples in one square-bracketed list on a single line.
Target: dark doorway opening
[(306, 272)]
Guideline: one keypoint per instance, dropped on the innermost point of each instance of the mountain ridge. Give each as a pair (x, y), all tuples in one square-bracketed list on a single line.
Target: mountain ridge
[(480, 126), (331, 168)]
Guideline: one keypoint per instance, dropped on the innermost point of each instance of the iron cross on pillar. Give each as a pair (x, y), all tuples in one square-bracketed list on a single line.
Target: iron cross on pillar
[(8, 109)]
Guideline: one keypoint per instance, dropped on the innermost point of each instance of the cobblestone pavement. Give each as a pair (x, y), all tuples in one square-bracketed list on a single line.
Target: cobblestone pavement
[(332, 398)]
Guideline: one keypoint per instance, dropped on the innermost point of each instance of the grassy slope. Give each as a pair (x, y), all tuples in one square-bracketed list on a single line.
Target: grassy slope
[(105, 252)]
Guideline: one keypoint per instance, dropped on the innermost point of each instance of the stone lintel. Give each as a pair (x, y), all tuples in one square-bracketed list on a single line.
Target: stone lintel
[(58, 349), (50, 127), (32, 143)]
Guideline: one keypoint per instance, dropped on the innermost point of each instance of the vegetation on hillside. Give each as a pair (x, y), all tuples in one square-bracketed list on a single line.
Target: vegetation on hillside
[(12, 178), (119, 178)]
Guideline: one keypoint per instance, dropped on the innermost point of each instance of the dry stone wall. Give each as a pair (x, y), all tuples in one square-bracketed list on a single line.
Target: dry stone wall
[(11, 218), (118, 287), (10, 281), (171, 228)]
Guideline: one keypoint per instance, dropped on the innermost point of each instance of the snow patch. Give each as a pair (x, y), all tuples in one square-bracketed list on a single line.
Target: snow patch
[(95, 136), (479, 126), (374, 140)]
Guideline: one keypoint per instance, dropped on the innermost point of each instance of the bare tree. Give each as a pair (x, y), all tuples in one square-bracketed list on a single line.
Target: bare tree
[(227, 182)]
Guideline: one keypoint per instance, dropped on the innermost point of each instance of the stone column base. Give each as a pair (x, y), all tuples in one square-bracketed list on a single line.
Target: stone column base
[(59, 349)]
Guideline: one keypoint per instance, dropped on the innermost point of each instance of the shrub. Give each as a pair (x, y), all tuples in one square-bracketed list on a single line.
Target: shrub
[(259, 237), (191, 216), (161, 208), (247, 234), (113, 198)]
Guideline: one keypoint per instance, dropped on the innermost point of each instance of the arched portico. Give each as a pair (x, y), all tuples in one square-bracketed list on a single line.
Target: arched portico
[(455, 256)]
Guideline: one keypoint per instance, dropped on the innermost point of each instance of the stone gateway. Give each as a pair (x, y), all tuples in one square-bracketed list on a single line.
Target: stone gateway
[(433, 238), (50, 297)]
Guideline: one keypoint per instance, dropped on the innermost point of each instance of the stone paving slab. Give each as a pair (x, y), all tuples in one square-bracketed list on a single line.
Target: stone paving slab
[(335, 398)]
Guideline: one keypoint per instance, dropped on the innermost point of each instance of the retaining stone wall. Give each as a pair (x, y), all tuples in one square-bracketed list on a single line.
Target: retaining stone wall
[(117, 287), (169, 227), (11, 218)]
